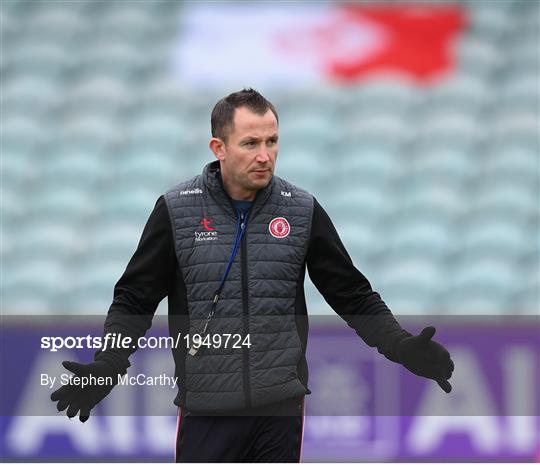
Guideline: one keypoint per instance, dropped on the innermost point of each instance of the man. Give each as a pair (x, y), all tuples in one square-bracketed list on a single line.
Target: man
[(230, 249)]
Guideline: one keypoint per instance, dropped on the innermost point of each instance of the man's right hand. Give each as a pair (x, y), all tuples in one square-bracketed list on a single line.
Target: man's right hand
[(77, 398)]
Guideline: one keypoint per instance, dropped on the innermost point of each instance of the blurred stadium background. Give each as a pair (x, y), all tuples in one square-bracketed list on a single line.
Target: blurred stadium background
[(427, 159)]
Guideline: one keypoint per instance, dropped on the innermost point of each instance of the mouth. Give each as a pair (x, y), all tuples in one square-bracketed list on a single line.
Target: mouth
[(261, 172)]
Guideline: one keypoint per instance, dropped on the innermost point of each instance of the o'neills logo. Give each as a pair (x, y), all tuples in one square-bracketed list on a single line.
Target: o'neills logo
[(279, 227), (191, 191), (209, 233)]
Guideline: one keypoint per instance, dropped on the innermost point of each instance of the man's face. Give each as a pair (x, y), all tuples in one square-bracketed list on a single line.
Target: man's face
[(248, 158)]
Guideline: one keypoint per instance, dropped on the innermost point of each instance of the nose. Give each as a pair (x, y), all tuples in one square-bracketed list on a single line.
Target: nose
[(263, 155)]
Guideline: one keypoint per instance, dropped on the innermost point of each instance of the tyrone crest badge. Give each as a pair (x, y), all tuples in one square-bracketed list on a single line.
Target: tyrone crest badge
[(279, 227)]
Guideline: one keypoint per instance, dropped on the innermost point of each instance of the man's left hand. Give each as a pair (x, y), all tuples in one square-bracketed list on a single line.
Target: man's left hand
[(425, 357)]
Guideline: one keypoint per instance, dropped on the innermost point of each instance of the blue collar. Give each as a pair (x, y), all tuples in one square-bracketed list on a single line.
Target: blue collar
[(243, 205)]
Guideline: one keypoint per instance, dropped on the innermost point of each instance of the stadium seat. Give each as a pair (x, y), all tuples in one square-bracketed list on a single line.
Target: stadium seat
[(131, 205), (376, 127), (42, 58), (520, 90), (311, 131), (445, 163), (164, 92), (383, 96), (503, 198), (494, 236), (367, 166), (519, 126), (409, 286), (100, 90), (481, 286), (525, 300), (158, 130), (303, 167), (451, 127), (43, 239), (23, 133), (490, 22), (147, 169), (19, 170), (462, 92), (113, 240), (364, 203), (507, 157), (128, 23), (363, 240), (524, 57), (8, 20), (479, 57), (83, 169), (29, 95), (31, 287), (56, 23), (89, 131), (314, 99), (120, 60), (436, 196), (65, 204), (14, 208), (422, 237)]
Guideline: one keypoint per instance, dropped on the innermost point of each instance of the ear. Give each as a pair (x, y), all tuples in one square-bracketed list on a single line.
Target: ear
[(217, 146)]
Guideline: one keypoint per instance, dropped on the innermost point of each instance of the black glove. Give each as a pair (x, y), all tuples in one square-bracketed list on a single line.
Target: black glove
[(427, 358), (76, 398)]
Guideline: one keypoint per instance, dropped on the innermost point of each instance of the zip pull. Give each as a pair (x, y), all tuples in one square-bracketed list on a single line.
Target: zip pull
[(242, 220)]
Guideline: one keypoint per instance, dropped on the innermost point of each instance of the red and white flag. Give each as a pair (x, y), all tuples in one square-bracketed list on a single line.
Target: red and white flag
[(291, 44)]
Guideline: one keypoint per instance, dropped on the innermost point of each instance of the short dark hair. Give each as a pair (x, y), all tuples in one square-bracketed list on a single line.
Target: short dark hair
[(222, 119)]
